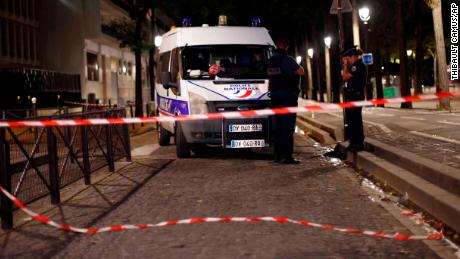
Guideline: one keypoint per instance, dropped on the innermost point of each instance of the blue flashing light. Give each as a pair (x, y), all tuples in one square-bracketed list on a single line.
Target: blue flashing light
[(186, 22), (256, 22)]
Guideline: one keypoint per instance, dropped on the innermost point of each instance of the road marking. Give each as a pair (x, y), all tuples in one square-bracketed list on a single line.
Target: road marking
[(385, 115), (449, 123), (381, 126), (144, 150), (435, 137), (413, 118), (378, 114), (450, 114), (334, 115)]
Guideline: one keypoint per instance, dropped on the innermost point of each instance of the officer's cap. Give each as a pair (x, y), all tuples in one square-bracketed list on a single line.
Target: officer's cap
[(350, 51)]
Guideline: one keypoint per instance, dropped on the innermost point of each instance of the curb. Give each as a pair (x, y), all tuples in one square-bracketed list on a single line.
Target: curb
[(435, 200), (446, 177), (432, 186), (334, 132), (317, 134)]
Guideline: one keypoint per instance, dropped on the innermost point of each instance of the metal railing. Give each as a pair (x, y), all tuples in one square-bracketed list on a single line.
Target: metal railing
[(38, 161)]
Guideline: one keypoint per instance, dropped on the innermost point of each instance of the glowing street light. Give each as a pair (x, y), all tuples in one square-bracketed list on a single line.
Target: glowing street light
[(328, 41), (310, 53), (158, 40), (364, 14), (409, 52), (298, 59)]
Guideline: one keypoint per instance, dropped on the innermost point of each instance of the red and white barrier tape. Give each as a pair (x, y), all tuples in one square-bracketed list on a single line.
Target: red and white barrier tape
[(226, 115), (89, 104), (305, 223)]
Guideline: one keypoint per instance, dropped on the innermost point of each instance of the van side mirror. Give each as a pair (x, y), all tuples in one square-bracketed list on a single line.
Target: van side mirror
[(166, 79)]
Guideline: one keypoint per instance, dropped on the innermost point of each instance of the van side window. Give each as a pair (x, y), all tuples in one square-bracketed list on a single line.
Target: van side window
[(174, 65), (174, 68), (164, 65), (164, 61)]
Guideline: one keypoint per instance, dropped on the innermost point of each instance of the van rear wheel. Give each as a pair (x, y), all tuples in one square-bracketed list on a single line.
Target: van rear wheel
[(182, 147), (164, 136)]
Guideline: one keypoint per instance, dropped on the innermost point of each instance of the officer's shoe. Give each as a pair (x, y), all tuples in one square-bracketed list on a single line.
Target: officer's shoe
[(277, 159), (355, 148), (290, 161)]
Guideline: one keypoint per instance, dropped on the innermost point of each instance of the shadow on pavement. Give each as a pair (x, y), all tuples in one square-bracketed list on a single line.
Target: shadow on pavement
[(84, 209)]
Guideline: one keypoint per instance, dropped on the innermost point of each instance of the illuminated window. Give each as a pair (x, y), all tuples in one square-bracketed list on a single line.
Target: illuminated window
[(93, 67)]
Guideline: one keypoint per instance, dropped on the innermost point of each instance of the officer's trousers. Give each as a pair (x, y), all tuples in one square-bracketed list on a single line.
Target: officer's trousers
[(284, 124), (355, 130)]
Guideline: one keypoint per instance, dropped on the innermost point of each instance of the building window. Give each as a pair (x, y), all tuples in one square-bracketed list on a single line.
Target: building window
[(113, 65), (18, 34), (93, 67), (3, 5), (11, 37), (4, 38), (130, 69)]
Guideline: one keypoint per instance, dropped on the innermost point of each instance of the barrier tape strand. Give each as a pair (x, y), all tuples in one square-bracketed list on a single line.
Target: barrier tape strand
[(222, 115), (305, 223), (90, 104)]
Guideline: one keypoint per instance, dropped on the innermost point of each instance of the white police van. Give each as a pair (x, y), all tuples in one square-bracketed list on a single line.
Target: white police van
[(214, 69)]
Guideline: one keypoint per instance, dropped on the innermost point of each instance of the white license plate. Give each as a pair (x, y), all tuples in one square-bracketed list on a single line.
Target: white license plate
[(245, 127), (247, 143)]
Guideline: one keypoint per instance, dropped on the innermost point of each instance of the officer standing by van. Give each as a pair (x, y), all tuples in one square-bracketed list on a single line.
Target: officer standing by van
[(284, 74), (354, 75)]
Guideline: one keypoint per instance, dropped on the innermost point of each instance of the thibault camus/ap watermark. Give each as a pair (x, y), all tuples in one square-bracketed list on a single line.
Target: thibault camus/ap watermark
[(454, 41)]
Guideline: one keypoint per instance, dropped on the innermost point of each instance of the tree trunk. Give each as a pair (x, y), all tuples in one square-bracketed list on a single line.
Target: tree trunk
[(152, 73), (315, 61), (378, 75), (443, 86), (403, 76), (418, 58), (138, 83)]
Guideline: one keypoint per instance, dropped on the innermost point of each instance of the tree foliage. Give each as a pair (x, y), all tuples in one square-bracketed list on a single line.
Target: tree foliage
[(124, 30)]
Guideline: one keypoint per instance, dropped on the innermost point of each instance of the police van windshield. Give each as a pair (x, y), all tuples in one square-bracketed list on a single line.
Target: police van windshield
[(225, 61)]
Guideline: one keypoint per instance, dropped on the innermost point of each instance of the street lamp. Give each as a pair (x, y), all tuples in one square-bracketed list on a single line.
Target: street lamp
[(298, 59), (310, 73), (327, 42), (364, 14), (310, 52), (409, 52), (158, 40)]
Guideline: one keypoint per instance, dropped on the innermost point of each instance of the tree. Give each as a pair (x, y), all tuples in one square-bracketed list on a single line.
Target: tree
[(403, 76), (134, 34), (443, 85)]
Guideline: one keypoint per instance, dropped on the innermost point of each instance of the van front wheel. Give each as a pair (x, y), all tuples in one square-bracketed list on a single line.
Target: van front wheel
[(182, 147), (164, 136)]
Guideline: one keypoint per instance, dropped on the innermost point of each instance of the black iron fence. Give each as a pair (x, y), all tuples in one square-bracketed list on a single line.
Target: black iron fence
[(47, 86), (38, 161)]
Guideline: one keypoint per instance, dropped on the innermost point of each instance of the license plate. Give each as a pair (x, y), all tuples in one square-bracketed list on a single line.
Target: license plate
[(247, 143), (245, 127)]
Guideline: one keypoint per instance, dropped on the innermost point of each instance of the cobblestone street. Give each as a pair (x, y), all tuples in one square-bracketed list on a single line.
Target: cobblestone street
[(160, 187)]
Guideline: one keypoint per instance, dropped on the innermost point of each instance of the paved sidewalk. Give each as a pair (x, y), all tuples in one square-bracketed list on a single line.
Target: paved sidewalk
[(428, 147), (157, 188)]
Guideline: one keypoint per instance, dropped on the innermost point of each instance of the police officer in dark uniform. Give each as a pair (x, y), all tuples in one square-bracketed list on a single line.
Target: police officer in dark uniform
[(284, 74), (355, 76)]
